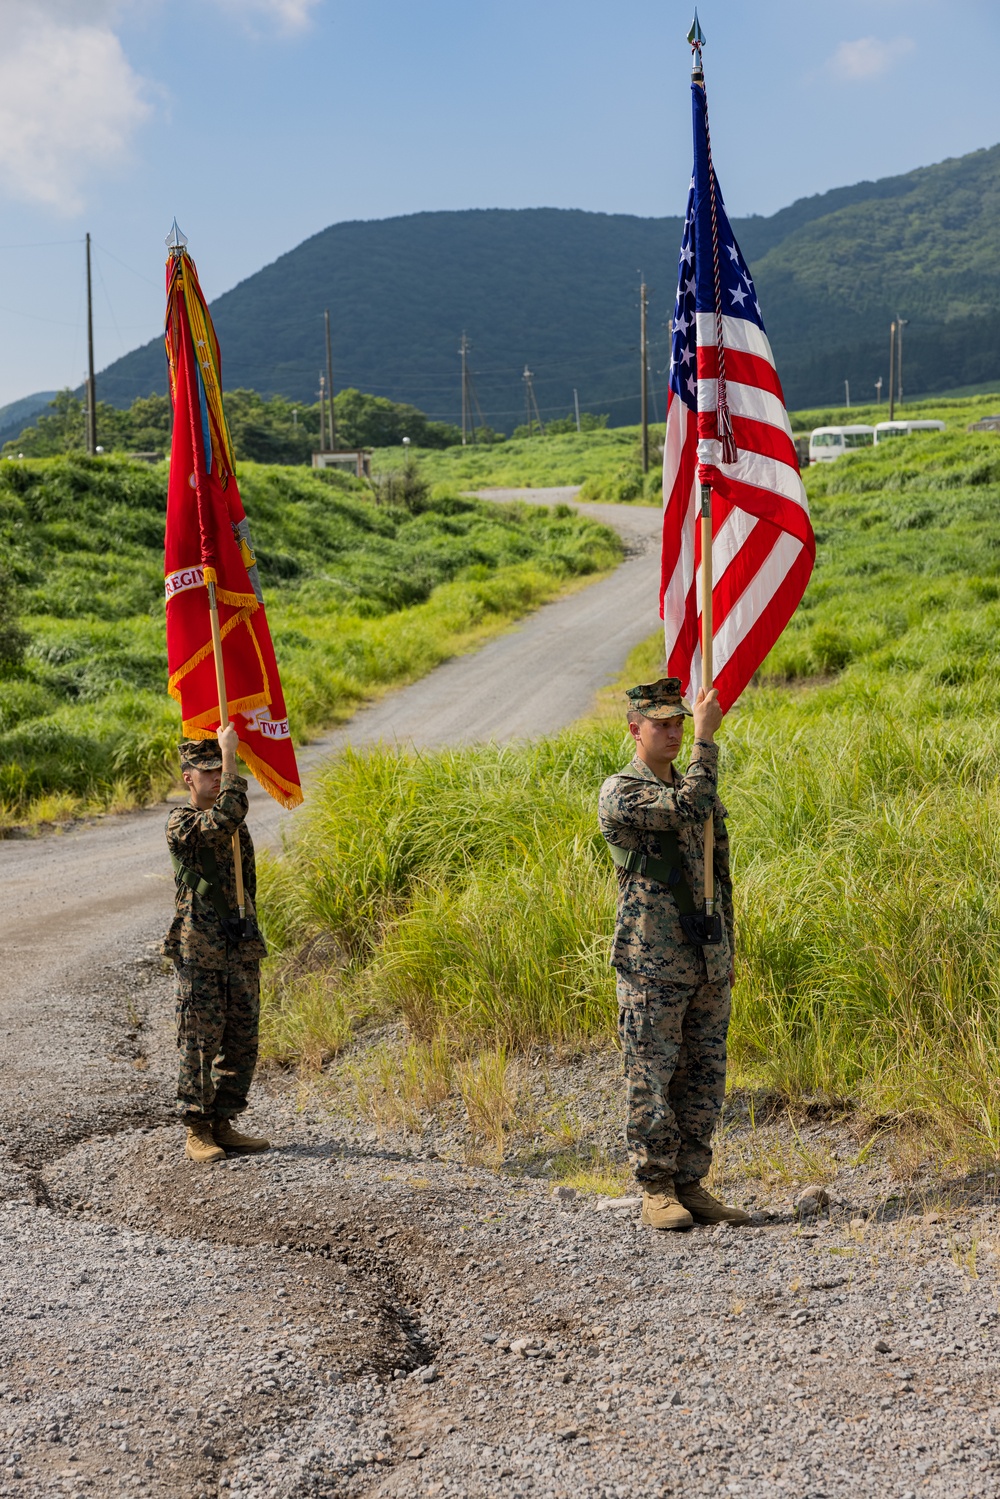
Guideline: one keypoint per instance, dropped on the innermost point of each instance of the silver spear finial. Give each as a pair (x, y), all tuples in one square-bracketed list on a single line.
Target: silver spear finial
[(176, 242), (696, 40)]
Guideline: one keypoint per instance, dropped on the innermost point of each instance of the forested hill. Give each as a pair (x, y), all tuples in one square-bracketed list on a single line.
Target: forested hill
[(557, 290)]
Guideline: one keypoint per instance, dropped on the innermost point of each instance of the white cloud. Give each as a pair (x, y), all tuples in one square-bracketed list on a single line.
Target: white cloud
[(290, 15), (868, 57), (69, 98)]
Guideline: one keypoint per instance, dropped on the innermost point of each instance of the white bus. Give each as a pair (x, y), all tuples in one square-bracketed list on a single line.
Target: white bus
[(828, 443), (885, 430)]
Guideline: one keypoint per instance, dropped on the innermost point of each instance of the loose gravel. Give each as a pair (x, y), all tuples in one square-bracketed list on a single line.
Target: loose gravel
[(355, 1316)]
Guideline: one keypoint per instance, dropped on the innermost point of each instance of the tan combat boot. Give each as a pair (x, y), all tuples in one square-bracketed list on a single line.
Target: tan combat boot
[(661, 1209), (704, 1208), (200, 1145), (226, 1135)]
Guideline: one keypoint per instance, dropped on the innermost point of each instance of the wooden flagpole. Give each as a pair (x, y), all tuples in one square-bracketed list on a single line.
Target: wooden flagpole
[(707, 671), (177, 246), (220, 682), (696, 40)]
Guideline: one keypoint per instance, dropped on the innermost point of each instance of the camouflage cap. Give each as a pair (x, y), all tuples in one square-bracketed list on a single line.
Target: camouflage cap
[(200, 754), (660, 699)]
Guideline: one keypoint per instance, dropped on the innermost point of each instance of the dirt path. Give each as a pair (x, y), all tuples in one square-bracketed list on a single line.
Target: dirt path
[(353, 1316)]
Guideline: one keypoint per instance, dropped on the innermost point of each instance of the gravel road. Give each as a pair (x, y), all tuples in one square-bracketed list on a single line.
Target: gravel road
[(356, 1315)]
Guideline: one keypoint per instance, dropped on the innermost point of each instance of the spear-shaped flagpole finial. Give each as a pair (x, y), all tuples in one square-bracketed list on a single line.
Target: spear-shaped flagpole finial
[(696, 40), (176, 242)]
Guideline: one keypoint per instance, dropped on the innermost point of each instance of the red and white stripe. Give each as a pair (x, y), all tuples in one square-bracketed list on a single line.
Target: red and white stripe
[(763, 546)]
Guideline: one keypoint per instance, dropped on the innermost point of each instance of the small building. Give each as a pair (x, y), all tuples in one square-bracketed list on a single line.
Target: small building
[(356, 461), (987, 424)]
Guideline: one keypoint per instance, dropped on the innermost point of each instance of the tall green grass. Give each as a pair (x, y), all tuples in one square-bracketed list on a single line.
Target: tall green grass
[(469, 894), (466, 888)]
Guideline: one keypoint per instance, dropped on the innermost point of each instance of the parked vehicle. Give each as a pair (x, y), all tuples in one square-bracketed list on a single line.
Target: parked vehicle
[(885, 430), (828, 443)]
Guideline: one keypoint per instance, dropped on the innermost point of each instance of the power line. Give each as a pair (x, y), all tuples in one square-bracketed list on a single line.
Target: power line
[(107, 298), (436, 381), (43, 244), (125, 266)]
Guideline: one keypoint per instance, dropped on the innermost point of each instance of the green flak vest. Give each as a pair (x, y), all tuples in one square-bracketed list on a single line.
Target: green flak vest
[(667, 869), (210, 887)]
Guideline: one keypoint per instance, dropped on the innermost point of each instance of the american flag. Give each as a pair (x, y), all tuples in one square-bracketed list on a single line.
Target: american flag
[(763, 545)]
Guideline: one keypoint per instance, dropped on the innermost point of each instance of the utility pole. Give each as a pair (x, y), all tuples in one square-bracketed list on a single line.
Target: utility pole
[(329, 384), (643, 301), (464, 351), (576, 408), (530, 401), (91, 388), (892, 371), (322, 411), (901, 323), (847, 394)]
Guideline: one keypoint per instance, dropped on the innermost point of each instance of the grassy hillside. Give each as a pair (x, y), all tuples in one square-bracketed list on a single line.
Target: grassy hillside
[(606, 463), (557, 290), (359, 596), (606, 459), (473, 900), (957, 412)]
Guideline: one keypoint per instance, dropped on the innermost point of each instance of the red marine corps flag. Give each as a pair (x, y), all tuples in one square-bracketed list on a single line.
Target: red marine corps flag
[(218, 644)]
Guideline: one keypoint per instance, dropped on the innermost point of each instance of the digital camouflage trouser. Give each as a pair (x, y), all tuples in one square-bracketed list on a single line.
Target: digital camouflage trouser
[(218, 1017), (674, 1045)]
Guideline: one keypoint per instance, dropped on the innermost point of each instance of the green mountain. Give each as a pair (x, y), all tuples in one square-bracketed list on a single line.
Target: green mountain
[(557, 291), (922, 247), (17, 415)]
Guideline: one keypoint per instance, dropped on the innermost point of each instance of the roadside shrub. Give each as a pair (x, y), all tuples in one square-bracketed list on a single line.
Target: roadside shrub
[(13, 639)]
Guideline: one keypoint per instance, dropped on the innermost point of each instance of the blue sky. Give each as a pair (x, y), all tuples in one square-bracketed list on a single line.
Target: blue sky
[(259, 122)]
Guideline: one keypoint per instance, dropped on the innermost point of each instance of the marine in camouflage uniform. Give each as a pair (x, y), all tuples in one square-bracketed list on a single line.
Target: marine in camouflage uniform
[(673, 994), (218, 974)]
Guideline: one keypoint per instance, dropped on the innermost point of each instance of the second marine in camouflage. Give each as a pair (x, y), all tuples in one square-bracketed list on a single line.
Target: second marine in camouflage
[(673, 994)]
